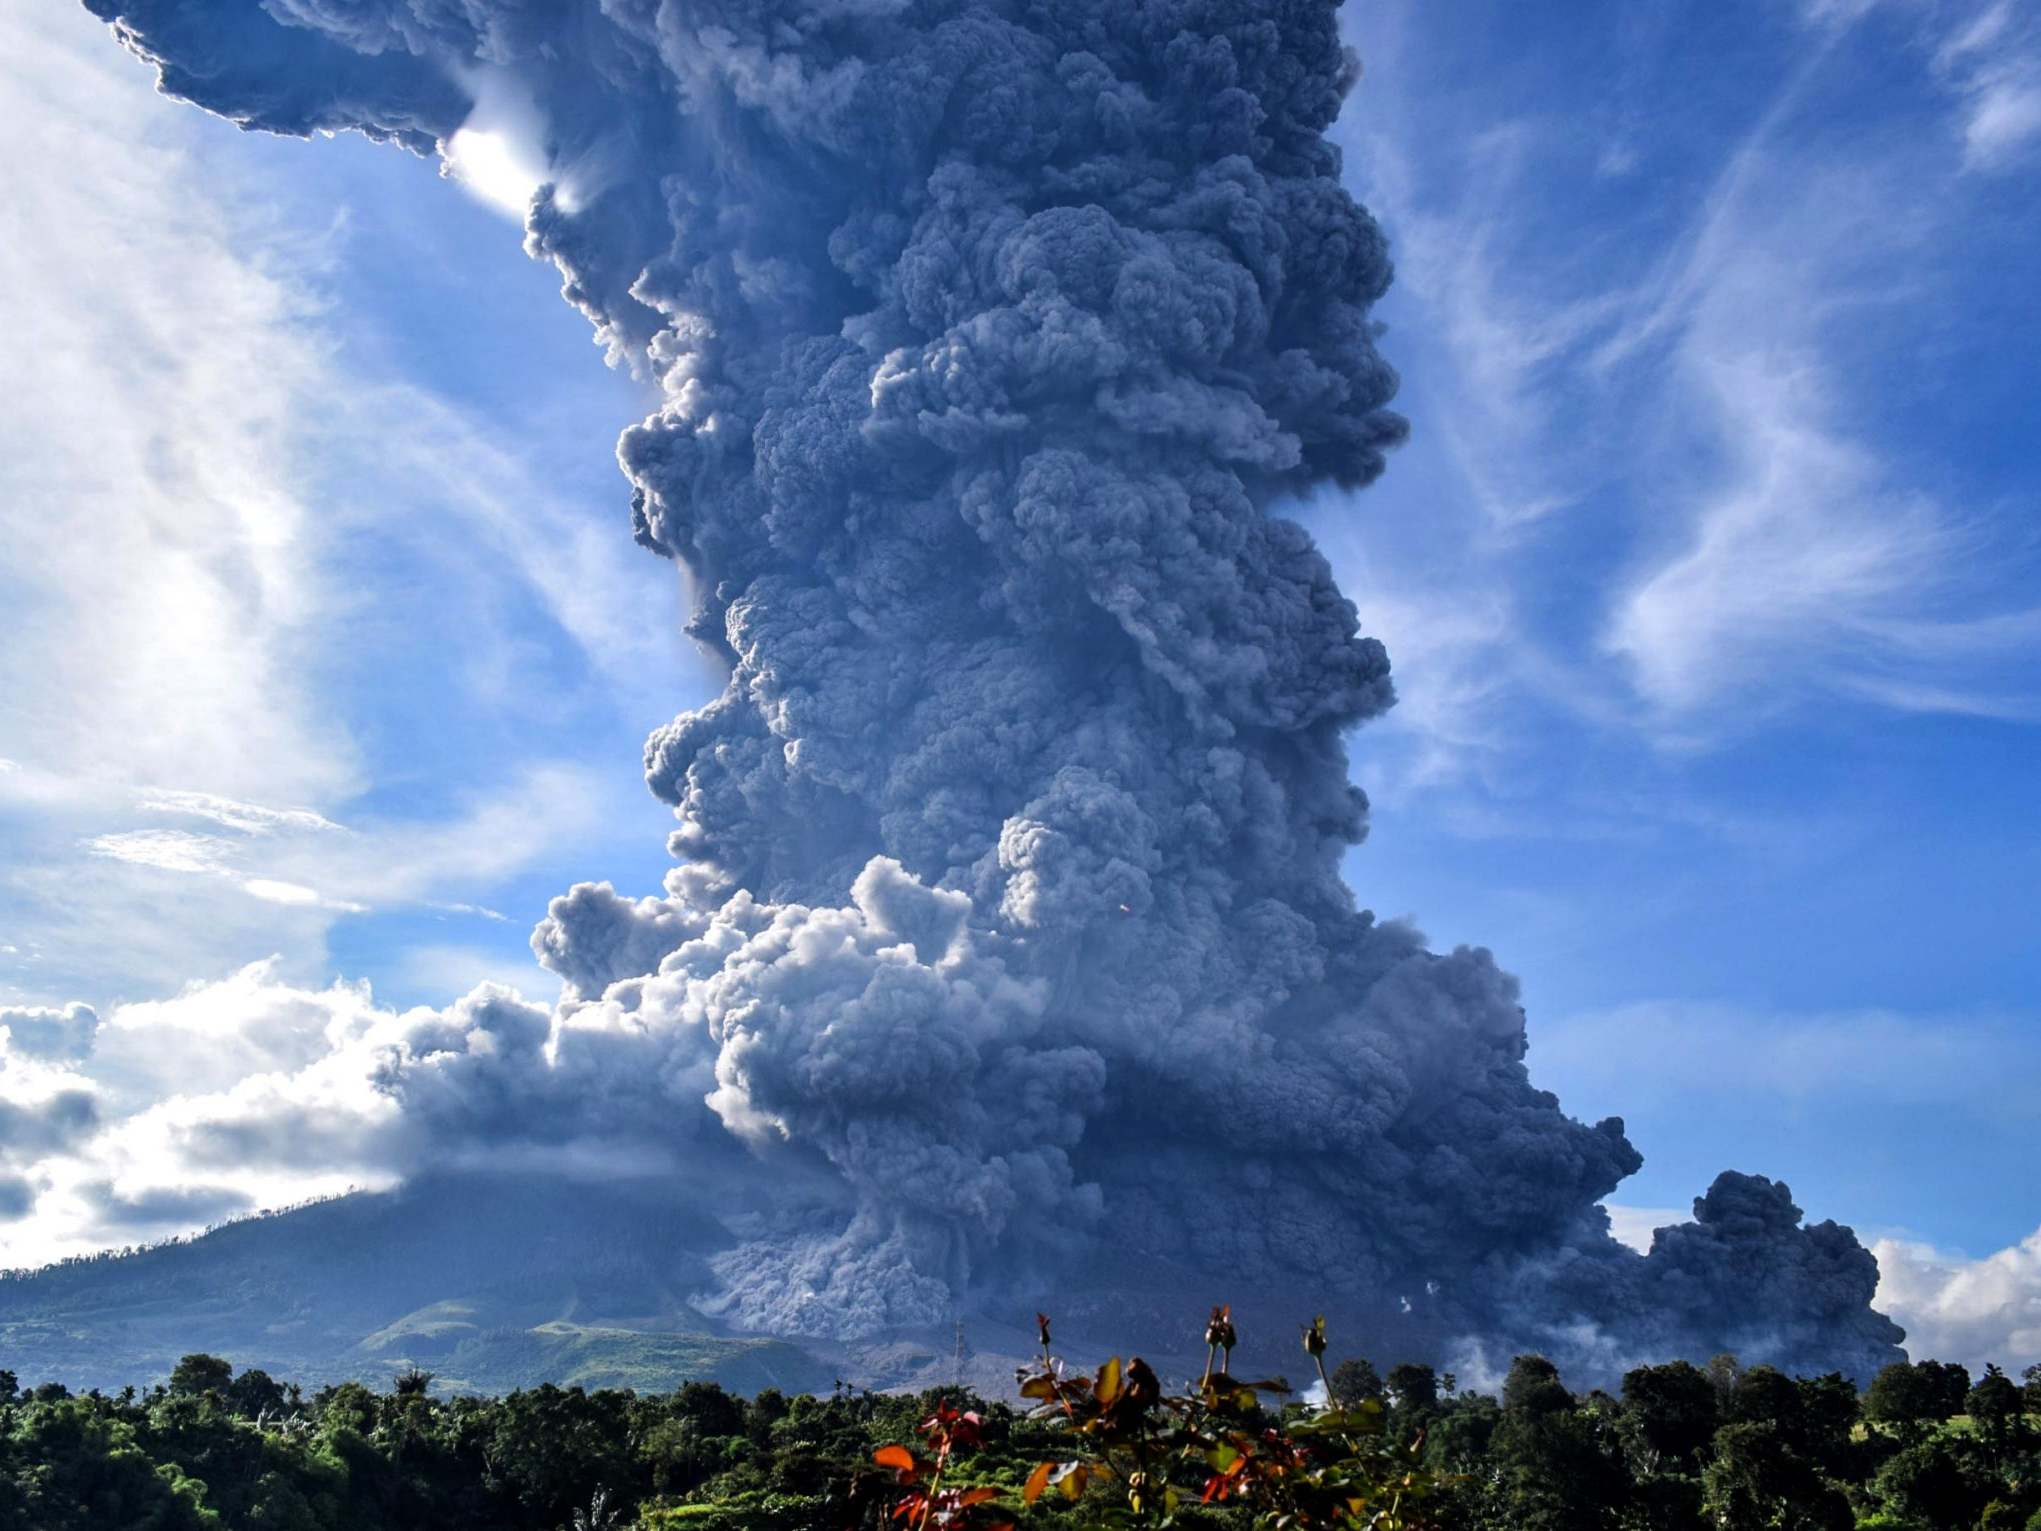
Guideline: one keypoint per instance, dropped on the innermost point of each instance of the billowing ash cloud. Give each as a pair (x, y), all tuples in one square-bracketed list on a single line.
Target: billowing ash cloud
[(1009, 935)]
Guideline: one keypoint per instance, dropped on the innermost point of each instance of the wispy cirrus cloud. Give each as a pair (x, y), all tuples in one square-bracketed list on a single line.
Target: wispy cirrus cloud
[(303, 860), (1669, 404), (1991, 62), (250, 818), (1808, 562), (168, 850), (232, 554)]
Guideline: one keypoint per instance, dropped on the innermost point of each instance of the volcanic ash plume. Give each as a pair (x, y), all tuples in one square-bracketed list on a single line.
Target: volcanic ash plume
[(1007, 955)]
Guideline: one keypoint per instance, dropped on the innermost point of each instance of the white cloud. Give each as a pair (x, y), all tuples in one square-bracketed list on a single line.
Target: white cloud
[(249, 818), (1507, 323), (2004, 120), (1836, 13), (1958, 1309), (1802, 566), (480, 911), (1991, 63), (207, 507), (211, 1036), (162, 563), (249, 1092), (304, 860), (216, 1051), (168, 850), (163, 574), (499, 153), (1989, 26), (49, 1032), (1801, 561), (272, 890), (1669, 419)]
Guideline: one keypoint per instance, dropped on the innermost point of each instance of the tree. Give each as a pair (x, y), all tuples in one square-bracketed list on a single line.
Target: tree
[(1904, 1397), (1672, 1412), (89, 1473), (200, 1373), (255, 1393), (1557, 1467), (1756, 1482), (1459, 1438), (1415, 1387), (1533, 1387), (1723, 1370), (350, 1406), (713, 1411), (1937, 1482), (1995, 1407), (767, 1410), (1766, 1394), (1354, 1382), (1948, 1383), (1829, 1411)]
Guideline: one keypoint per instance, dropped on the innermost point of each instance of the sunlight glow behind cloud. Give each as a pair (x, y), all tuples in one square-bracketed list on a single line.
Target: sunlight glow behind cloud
[(499, 153), (495, 168)]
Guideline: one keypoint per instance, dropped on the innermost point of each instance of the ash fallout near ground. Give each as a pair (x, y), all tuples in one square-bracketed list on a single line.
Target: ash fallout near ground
[(1007, 957)]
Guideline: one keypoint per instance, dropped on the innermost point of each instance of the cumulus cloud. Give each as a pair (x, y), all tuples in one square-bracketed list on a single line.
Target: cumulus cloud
[(50, 1032), (249, 1091), (1009, 914), (1961, 1309)]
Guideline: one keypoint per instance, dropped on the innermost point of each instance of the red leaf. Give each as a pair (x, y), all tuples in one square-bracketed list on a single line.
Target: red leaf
[(1037, 1481)]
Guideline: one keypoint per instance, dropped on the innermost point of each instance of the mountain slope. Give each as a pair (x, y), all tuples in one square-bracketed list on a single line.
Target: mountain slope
[(489, 1282)]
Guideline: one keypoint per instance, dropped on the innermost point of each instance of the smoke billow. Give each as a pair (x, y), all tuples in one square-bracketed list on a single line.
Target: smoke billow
[(1008, 951)]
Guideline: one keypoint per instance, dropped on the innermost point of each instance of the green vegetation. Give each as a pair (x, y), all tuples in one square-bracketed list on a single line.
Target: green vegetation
[(1925, 1448)]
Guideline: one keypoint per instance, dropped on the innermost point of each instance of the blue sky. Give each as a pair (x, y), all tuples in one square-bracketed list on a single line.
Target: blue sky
[(1709, 573)]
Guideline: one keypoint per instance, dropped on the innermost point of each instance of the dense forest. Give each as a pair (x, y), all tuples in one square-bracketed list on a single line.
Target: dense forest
[(1926, 1447)]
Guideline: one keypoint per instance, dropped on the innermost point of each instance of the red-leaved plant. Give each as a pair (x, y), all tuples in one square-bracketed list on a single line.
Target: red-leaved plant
[(923, 1502), (1139, 1454)]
